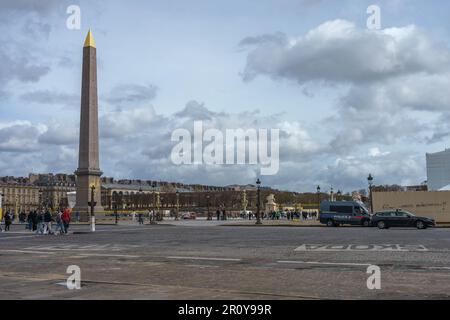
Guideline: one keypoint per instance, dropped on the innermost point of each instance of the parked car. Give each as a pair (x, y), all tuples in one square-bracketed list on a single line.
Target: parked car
[(401, 218), (336, 213)]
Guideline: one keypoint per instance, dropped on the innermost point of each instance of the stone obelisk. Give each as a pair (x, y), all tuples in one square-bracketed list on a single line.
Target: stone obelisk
[(88, 172)]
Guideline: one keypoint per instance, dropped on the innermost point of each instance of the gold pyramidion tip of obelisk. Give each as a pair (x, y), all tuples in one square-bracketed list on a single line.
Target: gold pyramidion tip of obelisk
[(89, 42)]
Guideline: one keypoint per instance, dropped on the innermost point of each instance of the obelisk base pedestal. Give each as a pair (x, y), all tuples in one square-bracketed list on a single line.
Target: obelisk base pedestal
[(85, 180)]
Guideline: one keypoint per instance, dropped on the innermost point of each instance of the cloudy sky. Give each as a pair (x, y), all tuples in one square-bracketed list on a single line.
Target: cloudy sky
[(348, 100)]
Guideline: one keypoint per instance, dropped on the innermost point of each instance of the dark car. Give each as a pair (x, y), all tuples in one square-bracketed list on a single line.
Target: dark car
[(401, 218)]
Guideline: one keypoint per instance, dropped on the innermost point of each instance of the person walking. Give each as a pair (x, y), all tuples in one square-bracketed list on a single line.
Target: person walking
[(218, 214), (22, 217), (40, 222), (140, 218), (66, 220), (34, 220), (47, 222), (29, 221), (8, 220), (224, 215), (150, 216), (59, 223)]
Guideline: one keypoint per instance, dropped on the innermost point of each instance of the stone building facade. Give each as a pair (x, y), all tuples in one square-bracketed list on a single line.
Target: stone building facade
[(54, 188), (36, 191), (18, 194)]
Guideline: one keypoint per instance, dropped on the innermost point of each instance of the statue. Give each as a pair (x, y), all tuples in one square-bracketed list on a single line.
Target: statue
[(270, 203)]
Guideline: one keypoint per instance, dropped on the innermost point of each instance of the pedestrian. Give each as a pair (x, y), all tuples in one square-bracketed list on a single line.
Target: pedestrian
[(150, 215), (77, 214), (218, 214), (224, 215), (59, 223), (22, 217), (140, 218), (47, 222), (304, 215), (34, 220), (8, 220), (40, 222), (66, 220), (29, 221)]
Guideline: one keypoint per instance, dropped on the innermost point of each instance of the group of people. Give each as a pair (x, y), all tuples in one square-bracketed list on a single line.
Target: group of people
[(291, 215), (140, 217), (288, 215), (41, 221), (221, 215)]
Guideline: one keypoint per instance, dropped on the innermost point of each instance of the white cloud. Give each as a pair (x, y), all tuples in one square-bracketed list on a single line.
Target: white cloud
[(340, 52), (384, 78), (131, 93), (376, 152)]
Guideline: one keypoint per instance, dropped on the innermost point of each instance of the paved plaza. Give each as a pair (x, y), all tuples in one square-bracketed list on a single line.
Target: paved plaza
[(206, 260)]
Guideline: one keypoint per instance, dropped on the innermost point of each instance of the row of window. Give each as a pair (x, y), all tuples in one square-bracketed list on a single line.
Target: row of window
[(7, 191)]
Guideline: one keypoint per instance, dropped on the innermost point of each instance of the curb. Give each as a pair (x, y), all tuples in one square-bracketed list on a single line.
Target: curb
[(272, 225), (304, 226)]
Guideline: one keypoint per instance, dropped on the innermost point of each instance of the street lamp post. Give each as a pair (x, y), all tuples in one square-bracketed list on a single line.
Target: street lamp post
[(370, 180), (258, 202), (1, 206), (153, 216), (115, 199), (207, 205), (92, 204), (160, 212), (140, 202), (318, 199), (119, 205), (16, 207), (158, 206), (177, 212)]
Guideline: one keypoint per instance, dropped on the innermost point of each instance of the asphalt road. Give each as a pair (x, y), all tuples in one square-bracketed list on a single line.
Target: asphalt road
[(201, 261)]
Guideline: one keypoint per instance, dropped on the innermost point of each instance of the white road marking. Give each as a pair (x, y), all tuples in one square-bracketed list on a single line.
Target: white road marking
[(25, 251), (438, 268), (105, 247), (204, 258), (361, 247), (18, 237), (107, 255), (327, 263), (201, 266), (114, 230), (18, 232), (62, 249)]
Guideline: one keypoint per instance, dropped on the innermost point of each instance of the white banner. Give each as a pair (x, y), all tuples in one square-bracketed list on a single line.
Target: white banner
[(71, 198)]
